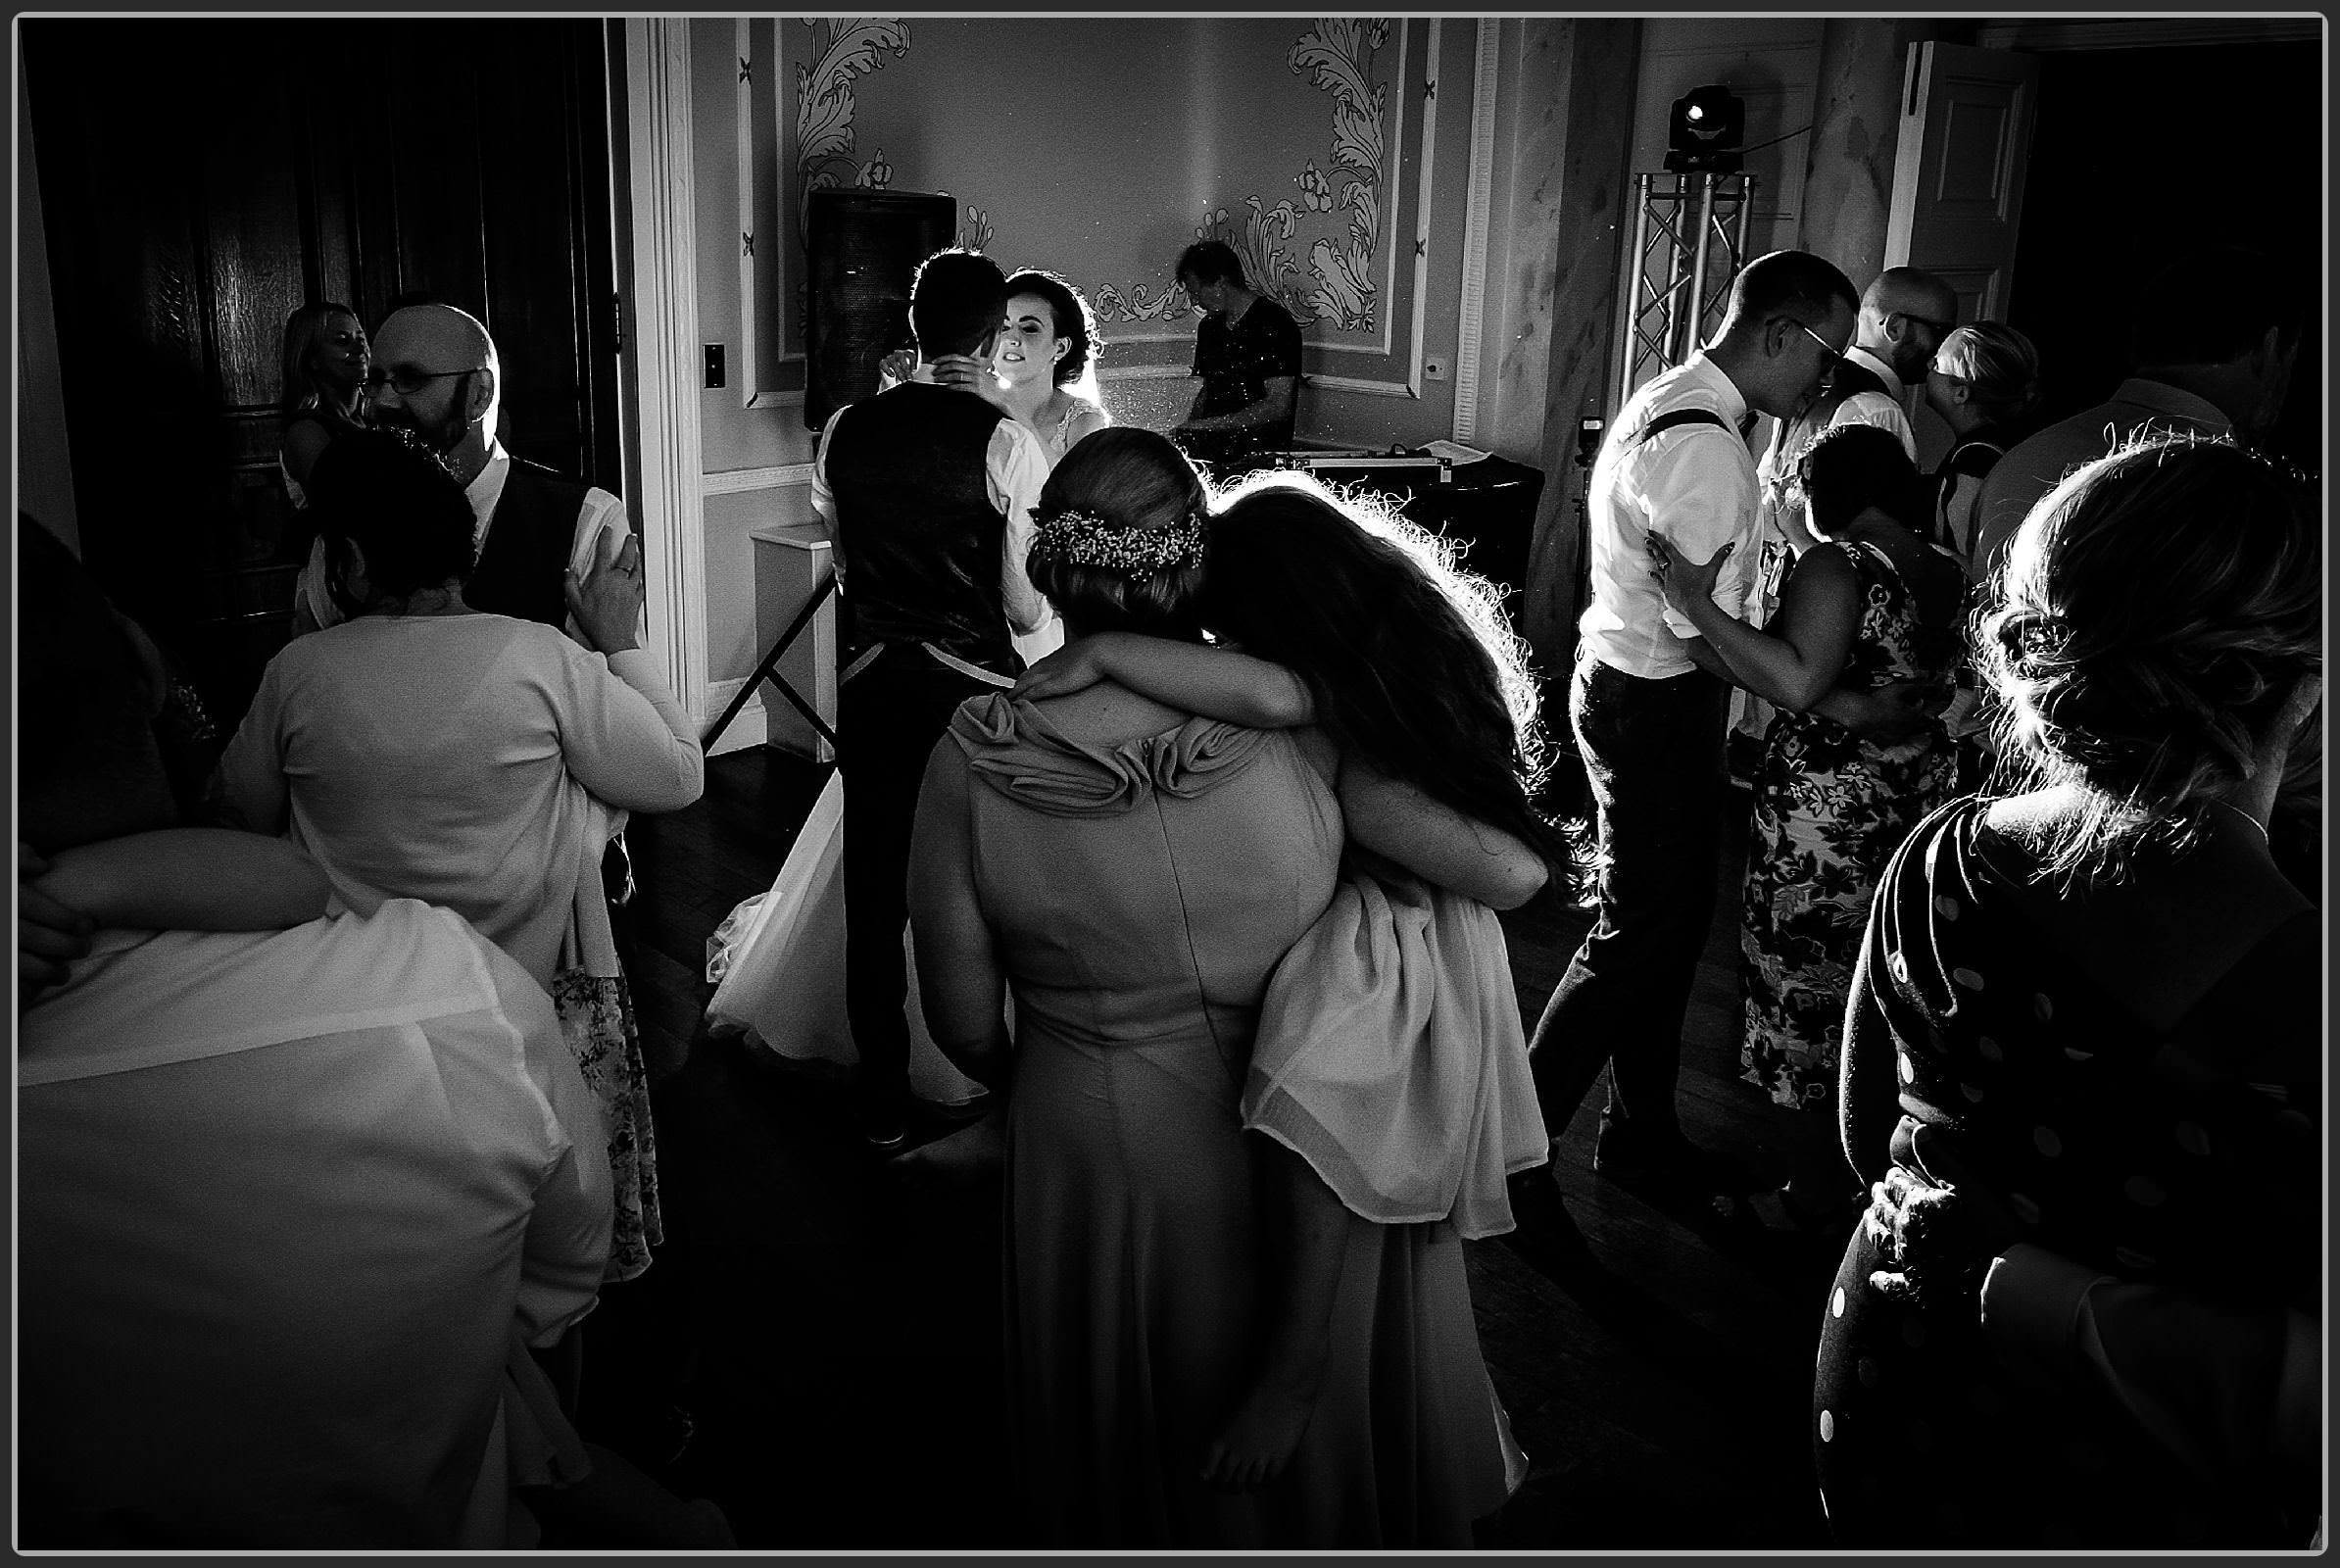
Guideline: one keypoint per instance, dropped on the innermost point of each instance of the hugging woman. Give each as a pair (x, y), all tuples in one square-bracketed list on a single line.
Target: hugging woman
[(1135, 871)]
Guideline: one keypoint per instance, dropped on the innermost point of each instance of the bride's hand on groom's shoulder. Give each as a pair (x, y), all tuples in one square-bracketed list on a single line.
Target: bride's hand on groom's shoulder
[(1078, 664)]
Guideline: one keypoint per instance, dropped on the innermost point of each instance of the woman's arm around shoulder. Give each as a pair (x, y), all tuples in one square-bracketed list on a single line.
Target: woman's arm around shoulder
[(1404, 823), (1215, 682)]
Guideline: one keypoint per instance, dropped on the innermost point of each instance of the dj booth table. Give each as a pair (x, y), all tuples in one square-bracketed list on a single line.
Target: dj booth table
[(1486, 506)]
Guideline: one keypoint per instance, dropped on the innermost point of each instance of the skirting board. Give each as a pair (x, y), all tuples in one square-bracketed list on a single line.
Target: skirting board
[(748, 728)]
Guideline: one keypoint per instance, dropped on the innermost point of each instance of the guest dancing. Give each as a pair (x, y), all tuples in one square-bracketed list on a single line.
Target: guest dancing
[(1135, 872), (927, 495), (1389, 1076), (326, 361), (1983, 381), (1867, 603), (2100, 1001), (423, 749)]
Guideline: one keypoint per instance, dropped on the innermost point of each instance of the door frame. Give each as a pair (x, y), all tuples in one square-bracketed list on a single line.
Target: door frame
[(669, 508)]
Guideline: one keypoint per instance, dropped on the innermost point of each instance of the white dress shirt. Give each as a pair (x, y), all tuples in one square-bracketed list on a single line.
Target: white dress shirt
[(1014, 467), (283, 1199), (1694, 485), (1887, 409)]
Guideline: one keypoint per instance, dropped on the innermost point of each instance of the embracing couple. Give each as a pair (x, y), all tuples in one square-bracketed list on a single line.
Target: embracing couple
[(1267, 1066)]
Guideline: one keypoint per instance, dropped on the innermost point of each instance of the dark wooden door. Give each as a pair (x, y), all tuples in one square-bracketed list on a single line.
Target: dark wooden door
[(201, 180)]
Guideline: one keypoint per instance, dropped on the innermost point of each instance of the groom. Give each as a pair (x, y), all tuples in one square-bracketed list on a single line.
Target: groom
[(927, 492)]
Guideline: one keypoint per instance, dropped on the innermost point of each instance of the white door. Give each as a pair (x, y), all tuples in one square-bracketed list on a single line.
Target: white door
[(1958, 182)]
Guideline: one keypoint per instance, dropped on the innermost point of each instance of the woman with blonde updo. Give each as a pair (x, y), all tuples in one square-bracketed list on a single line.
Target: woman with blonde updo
[(1984, 382), (1136, 872), (2097, 1003)]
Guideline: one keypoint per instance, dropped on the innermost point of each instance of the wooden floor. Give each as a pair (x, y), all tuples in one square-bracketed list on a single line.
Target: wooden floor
[(837, 1341)]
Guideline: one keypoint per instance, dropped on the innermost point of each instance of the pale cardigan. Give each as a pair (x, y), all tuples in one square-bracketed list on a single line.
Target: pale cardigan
[(475, 761)]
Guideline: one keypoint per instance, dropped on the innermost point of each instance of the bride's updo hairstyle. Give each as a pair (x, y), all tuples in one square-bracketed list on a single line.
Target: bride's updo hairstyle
[(2156, 611), (1074, 321), (1118, 538)]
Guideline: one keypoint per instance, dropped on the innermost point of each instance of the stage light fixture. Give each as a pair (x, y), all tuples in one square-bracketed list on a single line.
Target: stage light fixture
[(1704, 131)]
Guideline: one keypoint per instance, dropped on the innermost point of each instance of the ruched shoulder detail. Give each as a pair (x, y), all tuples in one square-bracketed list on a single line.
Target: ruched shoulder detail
[(1013, 748)]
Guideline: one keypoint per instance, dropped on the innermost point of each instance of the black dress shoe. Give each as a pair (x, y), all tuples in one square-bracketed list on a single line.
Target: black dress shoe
[(882, 1123)]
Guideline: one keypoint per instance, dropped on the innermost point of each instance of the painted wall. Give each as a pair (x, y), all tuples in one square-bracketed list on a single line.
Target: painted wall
[(1339, 156)]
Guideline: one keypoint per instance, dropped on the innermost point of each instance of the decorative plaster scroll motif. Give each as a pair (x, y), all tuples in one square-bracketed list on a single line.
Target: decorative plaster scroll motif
[(1337, 285), (1267, 265), (855, 47), (1339, 53), (1141, 304)]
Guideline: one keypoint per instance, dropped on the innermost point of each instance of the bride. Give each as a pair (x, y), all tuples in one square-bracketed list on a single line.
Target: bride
[(1043, 363)]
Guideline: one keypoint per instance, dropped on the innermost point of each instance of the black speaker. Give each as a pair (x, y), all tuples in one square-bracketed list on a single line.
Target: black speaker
[(863, 247)]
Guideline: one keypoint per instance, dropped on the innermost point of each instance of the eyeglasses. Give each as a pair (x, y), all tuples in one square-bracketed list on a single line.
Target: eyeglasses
[(1941, 329), (1835, 358), (405, 381)]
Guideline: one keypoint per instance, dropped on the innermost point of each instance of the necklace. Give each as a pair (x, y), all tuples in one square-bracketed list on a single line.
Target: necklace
[(2246, 817)]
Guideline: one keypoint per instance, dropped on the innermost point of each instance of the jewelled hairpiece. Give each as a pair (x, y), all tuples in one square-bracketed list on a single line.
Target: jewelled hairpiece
[(412, 441), (1088, 540)]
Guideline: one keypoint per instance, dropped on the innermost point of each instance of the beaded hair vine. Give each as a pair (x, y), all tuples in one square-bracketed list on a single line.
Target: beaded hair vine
[(1087, 540), (412, 441)]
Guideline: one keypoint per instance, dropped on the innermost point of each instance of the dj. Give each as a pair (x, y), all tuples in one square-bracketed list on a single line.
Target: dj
[(1248, 354)]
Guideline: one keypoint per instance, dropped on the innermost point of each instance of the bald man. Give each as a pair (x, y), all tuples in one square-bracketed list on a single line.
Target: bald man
[(1903, 319), (437, 372)]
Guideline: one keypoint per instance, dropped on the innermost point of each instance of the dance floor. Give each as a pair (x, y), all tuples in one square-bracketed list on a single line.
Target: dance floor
[(835, 1338)]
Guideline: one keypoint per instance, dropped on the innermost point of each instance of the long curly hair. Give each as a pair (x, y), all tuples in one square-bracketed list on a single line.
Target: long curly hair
[(1408, 656), (2156, 611)]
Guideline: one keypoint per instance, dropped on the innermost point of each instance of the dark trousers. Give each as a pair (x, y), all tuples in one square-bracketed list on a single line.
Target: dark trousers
[(888, 718), (1653, 755)]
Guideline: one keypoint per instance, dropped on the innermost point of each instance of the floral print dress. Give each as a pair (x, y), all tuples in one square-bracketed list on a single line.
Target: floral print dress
[(1831, 808)]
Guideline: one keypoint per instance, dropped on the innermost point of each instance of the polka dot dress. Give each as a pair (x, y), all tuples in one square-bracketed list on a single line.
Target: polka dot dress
[(2190, 1157)]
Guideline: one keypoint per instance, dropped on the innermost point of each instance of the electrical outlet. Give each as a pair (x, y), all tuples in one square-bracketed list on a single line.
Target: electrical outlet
[(714, 365), (1434, 368)]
